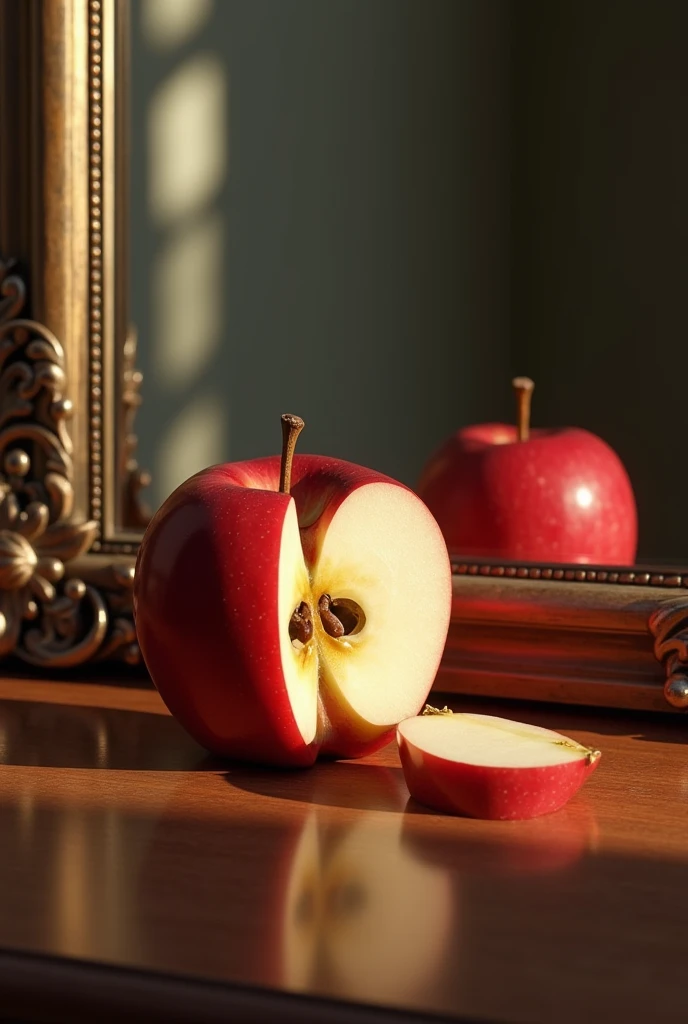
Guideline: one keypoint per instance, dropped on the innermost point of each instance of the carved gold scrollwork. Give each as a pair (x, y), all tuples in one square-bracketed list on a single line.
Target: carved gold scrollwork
[(669, 626), (47, 617)]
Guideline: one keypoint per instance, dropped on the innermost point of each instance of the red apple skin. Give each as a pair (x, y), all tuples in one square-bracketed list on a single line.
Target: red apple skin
[(198, 647), (201, 605), (342, 733), (561, 496), (503, 794)]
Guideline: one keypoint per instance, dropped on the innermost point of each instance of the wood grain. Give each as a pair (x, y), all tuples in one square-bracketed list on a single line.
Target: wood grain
[(129, 852), (546, 639)]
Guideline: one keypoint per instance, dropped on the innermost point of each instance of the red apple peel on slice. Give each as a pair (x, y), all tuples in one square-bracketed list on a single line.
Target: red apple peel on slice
[(482, 766)]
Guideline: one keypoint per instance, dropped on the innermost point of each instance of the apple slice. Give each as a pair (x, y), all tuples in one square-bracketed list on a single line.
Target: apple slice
[(488, 767)]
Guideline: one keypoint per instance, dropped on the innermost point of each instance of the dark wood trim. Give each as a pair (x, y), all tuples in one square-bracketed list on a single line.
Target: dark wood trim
[(603, 637)]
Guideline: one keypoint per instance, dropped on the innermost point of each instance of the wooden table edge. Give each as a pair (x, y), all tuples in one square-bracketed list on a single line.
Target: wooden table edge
[(52, 990)]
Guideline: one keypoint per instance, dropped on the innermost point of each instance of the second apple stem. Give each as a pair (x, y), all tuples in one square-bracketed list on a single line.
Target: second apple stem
[(523, 387)]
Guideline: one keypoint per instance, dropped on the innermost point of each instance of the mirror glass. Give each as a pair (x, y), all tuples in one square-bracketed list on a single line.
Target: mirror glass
[(375, 215)]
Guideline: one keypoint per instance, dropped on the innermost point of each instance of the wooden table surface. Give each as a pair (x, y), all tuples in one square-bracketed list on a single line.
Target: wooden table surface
[(140, 878)]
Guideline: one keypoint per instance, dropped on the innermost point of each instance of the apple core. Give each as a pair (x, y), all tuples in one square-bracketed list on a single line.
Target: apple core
[(339, 618)]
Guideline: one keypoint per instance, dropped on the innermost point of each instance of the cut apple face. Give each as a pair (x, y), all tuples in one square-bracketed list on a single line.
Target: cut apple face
[(364, 621), (488, 767)]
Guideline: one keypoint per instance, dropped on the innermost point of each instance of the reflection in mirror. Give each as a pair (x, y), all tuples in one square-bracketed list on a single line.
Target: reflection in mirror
[(511, 492), (402, 207)]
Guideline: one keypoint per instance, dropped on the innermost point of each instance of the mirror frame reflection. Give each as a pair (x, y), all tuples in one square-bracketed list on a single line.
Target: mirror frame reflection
[(70, 512)]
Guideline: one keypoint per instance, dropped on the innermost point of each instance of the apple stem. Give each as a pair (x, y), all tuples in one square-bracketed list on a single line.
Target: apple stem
[(523, 387), (291, 428)]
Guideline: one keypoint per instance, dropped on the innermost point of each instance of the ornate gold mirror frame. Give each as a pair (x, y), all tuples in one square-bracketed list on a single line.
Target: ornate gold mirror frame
[(70, 521)]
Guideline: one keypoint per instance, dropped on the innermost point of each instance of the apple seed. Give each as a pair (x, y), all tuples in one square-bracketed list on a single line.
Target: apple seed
[(301, 624), (331, 624), (340, 617)]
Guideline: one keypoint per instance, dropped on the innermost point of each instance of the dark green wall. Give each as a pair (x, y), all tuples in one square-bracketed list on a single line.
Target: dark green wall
[(364, 270)]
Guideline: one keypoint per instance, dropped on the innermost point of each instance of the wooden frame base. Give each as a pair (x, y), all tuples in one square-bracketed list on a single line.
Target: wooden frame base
[(567, 634)]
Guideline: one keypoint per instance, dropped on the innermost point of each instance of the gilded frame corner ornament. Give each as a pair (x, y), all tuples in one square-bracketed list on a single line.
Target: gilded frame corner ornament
[(48, 617)]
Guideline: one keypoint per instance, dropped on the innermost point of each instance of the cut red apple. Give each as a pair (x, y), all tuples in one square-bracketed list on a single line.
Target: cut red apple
[(292, 608), (488, 767)]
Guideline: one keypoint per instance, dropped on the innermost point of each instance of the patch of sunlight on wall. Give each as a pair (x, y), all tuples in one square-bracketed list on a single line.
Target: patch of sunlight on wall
[(196, 439), (187, 139), (169, 23), (187, 302)]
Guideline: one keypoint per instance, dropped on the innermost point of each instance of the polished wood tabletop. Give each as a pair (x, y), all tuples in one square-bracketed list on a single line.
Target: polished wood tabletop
[(140, 878)]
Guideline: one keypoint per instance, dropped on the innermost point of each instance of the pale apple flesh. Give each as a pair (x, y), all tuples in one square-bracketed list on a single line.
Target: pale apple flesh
[(227, 562), (482, 766)]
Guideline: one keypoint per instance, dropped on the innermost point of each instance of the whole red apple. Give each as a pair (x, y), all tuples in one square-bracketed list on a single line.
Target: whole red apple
[(546, 495), (290, 608)]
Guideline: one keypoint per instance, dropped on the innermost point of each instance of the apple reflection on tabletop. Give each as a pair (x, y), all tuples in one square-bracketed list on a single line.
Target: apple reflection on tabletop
[(307, 898), (363, 914), (505, 491)]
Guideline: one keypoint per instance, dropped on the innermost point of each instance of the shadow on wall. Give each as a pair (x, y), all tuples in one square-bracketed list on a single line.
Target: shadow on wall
[(319, 194)]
